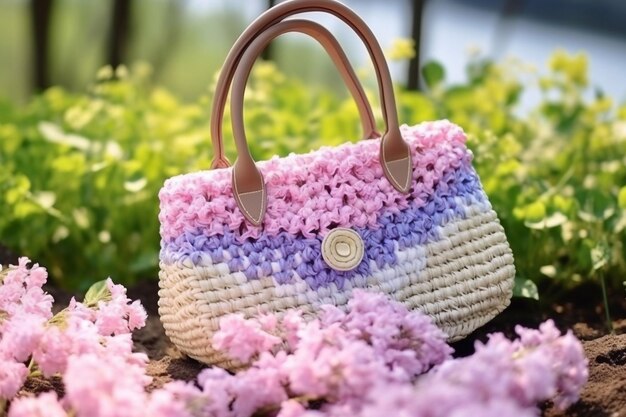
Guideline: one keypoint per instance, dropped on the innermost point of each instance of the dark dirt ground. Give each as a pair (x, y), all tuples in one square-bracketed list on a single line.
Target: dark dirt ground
[(603, 396)]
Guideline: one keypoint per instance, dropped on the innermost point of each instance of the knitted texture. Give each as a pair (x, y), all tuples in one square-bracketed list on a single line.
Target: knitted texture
[(439, 248)]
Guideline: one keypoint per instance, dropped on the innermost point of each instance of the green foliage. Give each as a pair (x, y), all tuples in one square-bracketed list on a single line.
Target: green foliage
[(99, 291), (525, 288), (80, 173), (433, 73)]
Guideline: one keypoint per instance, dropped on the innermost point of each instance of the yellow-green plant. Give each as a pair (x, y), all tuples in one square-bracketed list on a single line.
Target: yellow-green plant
[(80, 173)]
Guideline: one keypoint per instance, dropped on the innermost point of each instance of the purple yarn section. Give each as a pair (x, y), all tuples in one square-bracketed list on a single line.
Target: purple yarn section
[(258, 258)]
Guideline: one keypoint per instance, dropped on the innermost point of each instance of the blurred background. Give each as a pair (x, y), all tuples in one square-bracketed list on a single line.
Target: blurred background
[(64, 42)]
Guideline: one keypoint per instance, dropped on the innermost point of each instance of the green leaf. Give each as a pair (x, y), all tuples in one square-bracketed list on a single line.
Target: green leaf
[(535, 212), (433, 73), (145, 261), (59, 319), (525, 288), (81, 217), (54, 134), (548, 270), (600, 256), (45, 199), (587, 217), (549, 222), (621, 198), (97, 292), (136, 185)]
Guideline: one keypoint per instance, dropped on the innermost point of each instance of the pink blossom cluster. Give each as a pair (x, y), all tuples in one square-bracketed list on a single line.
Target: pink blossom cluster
[(101, 326), (336, 358), (502, 378), (375, 358), (24, 310)]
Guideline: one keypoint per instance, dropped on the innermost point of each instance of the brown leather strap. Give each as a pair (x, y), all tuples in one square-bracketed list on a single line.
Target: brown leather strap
[(395, 157), (332, 47)]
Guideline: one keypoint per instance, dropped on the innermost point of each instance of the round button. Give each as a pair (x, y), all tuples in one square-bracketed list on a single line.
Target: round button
[(343, 249)]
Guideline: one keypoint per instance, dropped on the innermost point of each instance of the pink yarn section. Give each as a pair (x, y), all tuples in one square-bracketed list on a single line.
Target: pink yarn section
[(342, 186)]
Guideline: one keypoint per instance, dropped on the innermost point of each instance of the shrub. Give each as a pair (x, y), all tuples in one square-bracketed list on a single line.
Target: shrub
[(80, 173)]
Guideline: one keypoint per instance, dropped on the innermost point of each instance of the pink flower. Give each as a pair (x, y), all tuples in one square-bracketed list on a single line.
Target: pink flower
[(45, 405), (217, 387), (53, 351), (118, 292), (36, 301), (565, 358), (12, 377), (436, 401), (268, 322), (291, 323), (99, 386), (121, 345), (37, 277), (10, 295), (17, 273), (119, 315), (81, 311), (20, 336), (242, 339), (20, 291), (494, 408), (137, 315), (163, 403), (256, 388), (407, 340), (541, 365), (110, 318)]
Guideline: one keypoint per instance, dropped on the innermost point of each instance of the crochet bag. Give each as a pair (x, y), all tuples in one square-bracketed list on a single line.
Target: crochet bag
[(403, 213)]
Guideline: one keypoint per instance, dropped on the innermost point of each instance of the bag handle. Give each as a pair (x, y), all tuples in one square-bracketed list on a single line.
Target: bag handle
[(332, 47), (395, 157)]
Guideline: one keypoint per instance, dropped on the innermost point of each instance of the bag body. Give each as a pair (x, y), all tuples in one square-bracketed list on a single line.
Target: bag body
[(329, 222)]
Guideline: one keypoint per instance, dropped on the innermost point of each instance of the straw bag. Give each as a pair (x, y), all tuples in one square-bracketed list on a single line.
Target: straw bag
[(402, 213)]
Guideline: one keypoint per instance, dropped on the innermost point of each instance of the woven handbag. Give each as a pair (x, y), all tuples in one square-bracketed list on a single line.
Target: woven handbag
[(402, 213)]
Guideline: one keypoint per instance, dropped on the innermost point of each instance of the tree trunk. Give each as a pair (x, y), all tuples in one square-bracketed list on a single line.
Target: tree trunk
[(172, 26), (41, 13), (119, 31), (416, 34)]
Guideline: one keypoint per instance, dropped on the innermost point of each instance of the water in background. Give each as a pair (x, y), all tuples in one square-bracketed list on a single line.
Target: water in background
[(451, 28)]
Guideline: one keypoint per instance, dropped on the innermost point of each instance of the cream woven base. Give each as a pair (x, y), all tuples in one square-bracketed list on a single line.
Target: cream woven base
[(462, 281)]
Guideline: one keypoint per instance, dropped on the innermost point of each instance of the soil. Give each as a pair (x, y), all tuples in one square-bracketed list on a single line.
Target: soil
[(603, 396)]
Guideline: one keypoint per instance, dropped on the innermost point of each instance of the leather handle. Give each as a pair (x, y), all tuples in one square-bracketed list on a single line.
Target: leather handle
[(334, 50), (395, 157)]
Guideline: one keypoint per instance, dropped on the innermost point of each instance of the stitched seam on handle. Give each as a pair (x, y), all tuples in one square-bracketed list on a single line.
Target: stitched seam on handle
[(243, 206), (395, 181)]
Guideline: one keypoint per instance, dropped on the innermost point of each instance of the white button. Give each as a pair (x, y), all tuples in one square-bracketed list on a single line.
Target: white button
[(343, 249)]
